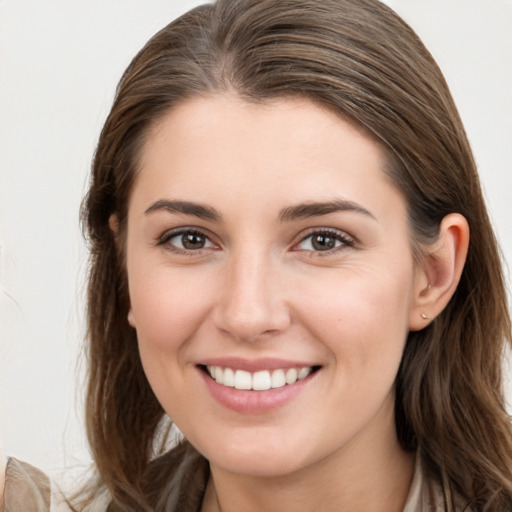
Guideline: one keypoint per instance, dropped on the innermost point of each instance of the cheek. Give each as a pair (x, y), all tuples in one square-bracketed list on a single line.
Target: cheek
[(166, 307), (362, 317)]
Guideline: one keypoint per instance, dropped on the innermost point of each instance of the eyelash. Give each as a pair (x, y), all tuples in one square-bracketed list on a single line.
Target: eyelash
[(168, 236), (345, 241)]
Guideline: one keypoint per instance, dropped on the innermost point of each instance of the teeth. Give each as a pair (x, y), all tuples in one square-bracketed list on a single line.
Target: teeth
[(257, 381), (303, 373), (261, 381), (243, 380), (291, 376), (278, 379), (229, 378)]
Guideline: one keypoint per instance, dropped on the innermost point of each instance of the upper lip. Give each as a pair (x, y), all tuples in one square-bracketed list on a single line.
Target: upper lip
[(254, 365)]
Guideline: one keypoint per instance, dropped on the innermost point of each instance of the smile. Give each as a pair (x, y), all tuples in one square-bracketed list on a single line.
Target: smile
[(257, 381), (256, 386)]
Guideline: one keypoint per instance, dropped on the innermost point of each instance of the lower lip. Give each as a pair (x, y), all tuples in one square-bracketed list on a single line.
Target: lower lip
[(254, 402)]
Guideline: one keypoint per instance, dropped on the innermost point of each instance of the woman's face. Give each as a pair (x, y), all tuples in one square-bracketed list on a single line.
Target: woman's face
[(267, 247)]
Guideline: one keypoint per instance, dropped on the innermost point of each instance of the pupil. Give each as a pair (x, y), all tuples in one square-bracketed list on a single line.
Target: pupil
[(192, 241), (323, 242)]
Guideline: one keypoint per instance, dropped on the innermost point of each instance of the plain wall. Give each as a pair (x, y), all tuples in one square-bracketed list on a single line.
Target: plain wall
[(59, 64)]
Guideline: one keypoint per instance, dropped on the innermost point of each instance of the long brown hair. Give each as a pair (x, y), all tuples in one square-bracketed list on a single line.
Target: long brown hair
[(358, 58)]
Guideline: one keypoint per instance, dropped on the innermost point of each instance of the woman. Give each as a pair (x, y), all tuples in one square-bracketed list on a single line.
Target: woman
[(279, 214)]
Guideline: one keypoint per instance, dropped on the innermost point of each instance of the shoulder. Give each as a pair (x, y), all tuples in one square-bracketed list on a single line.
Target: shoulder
[(2, 478), (186, 475), (26, 488)]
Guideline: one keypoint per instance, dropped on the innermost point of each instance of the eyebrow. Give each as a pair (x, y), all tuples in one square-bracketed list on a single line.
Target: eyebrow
[(305, 210), (185, 207), (295, 212)]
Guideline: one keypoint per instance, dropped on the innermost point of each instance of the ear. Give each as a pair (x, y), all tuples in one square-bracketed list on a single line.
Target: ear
[(131, 317), (113, 223), (440, 273)]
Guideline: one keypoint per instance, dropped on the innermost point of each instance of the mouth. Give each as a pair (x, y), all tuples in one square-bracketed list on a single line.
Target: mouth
[(262, 380)]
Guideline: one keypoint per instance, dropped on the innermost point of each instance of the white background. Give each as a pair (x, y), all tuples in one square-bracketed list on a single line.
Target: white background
[(59, 64)]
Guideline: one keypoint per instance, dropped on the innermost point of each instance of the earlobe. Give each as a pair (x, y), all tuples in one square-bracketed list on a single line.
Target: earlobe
[(437, 280), (113, 223), (131, 318)]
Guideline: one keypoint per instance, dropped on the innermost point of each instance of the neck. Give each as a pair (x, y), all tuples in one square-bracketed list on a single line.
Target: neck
[(374, 477)]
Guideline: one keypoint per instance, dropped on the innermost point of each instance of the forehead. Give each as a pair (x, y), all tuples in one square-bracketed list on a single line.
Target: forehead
[(232, 118), (284, 149)]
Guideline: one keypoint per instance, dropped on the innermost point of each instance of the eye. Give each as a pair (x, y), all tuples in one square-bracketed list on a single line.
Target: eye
[(323, 241), (187, 240)]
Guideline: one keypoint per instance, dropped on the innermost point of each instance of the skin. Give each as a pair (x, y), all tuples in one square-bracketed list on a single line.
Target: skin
[(259, 288)]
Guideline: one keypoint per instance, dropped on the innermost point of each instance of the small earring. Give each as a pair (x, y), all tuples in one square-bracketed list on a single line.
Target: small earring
[(425, 316)]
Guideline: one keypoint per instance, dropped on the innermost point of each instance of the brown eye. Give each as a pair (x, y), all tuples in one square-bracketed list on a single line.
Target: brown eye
[(323, 241), (187, 240), (193, 241)]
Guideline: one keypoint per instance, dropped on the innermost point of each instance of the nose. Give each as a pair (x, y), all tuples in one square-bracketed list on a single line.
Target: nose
[(251, 303)]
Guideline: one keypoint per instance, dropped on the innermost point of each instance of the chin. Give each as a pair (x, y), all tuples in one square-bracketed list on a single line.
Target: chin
[(255, 459), (265, 467)]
